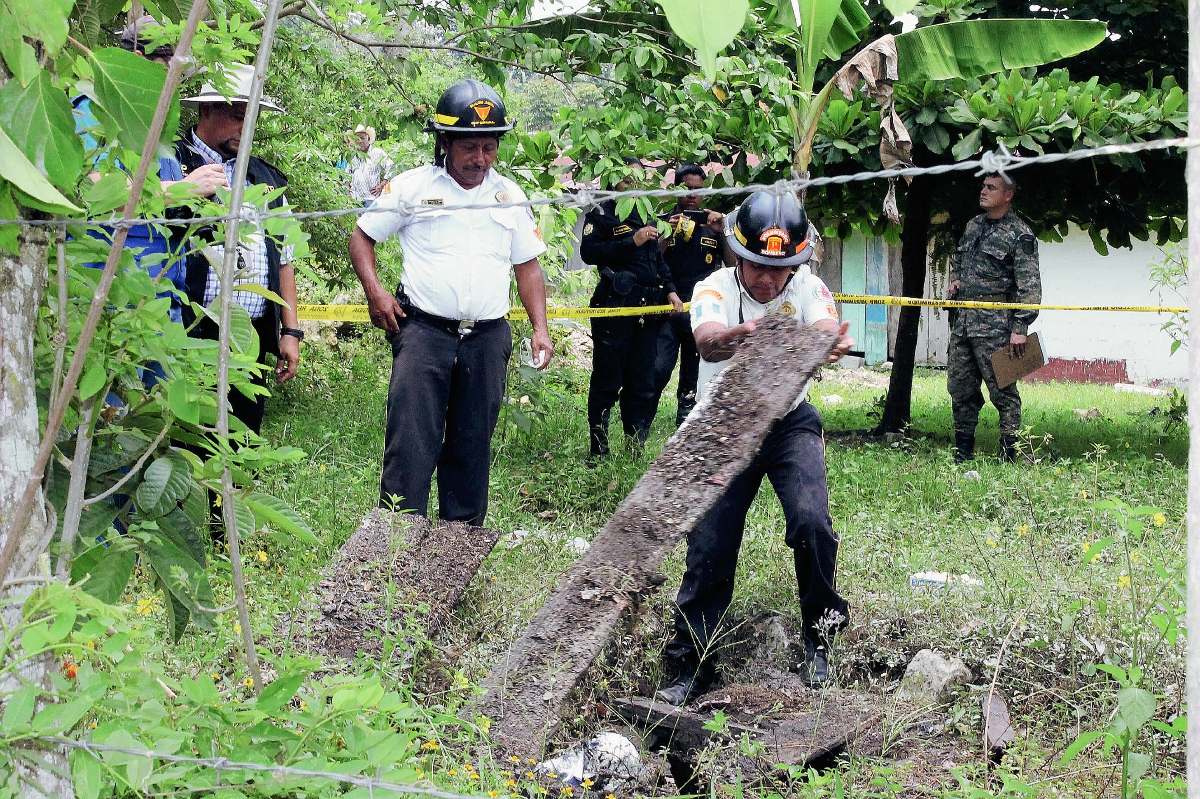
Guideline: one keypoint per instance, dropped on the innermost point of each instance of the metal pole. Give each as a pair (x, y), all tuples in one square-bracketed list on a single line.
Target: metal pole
[(1193, 506), (228, 274)]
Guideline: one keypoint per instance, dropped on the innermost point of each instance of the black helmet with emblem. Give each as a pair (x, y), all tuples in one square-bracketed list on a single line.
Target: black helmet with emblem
[(770, 229), (470, 106)]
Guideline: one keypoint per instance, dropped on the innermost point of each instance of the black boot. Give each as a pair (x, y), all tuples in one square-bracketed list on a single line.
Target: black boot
[(1008, 448), (692, 680), (814, 671), (964, 447)]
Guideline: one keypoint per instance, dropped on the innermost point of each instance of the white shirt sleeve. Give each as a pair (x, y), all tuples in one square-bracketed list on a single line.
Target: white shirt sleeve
[(709, 304), (383, 219), (816, 302), (527, 241)]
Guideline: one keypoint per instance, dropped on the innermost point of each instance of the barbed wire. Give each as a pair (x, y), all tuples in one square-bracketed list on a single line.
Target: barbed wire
[(993, 161), (225, 764)]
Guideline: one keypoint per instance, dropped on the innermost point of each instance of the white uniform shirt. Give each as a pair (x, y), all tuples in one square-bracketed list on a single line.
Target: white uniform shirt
[(457, 264), (718, 297)]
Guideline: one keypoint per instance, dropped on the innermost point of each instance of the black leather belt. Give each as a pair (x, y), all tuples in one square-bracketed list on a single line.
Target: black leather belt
[(984, 298), (457, 327)]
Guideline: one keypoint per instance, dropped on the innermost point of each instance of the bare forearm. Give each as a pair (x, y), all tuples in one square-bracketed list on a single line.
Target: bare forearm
[(531, 287), (362, 256), (287, 290)]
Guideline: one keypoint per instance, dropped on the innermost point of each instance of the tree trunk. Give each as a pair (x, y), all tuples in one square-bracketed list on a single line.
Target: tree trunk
[(897, 411), (22, 285)]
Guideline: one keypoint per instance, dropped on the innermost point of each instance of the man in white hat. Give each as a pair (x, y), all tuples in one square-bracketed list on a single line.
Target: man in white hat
[(210, 150), (369, 172)]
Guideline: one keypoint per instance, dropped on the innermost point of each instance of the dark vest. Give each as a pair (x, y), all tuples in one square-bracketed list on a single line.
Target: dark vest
[(258, 172)]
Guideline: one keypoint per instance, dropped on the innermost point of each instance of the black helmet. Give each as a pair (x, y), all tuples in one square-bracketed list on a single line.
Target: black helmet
[(770, 229), (470, 106)]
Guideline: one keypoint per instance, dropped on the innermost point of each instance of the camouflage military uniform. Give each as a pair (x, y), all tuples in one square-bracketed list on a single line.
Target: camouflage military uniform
[(996, 261)]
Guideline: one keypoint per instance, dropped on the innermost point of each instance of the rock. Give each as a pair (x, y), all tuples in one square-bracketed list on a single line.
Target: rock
[(850, 362), (832, 399), (929, 677), (971, 475), (578, 545), (773, 641)]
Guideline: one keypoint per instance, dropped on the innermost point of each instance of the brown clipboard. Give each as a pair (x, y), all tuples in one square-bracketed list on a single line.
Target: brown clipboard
[(1010, 370)]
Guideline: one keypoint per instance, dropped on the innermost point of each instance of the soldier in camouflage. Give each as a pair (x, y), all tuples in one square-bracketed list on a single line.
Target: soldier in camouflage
[(996, 261)]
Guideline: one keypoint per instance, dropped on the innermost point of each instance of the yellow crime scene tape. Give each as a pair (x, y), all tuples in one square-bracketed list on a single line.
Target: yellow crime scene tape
[(358, 313)]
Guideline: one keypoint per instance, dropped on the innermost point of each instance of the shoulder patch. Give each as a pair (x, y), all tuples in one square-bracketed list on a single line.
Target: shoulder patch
[(821, 292), (832, 311), (621, 230), (709, 293), (1028, 243)]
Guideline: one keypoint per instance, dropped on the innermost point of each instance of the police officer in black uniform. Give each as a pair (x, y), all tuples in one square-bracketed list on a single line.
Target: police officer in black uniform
[(632, 273), (693, 251)]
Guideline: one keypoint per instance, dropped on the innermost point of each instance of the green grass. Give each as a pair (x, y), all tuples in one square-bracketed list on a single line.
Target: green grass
[(900, 507)]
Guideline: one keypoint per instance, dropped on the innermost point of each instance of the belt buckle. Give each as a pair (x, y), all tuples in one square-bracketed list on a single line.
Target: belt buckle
[(465, 326)]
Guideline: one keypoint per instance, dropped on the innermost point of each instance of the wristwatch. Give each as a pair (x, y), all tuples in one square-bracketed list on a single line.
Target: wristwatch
[(291, 331)]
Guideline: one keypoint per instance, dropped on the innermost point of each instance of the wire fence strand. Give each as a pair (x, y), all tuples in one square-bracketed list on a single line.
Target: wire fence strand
[(992, 161)]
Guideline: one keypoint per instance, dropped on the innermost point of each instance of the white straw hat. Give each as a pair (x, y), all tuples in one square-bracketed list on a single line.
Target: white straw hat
[(242, 75)]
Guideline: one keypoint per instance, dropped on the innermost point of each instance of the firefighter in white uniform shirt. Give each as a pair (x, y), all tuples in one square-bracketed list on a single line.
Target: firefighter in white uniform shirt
[(773, 241), (450, 340)]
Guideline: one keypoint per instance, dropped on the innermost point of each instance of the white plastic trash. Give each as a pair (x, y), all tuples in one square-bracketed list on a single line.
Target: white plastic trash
[(608, 759), (941, 580)]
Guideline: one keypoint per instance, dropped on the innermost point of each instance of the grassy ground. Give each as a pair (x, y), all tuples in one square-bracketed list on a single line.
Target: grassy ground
[(900, 507)]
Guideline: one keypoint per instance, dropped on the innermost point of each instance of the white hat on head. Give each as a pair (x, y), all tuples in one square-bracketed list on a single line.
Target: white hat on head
[(367, 129), (242, 75)]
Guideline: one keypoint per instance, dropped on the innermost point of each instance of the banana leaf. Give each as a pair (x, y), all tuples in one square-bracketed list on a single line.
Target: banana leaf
[(847, 29), (985, 46)]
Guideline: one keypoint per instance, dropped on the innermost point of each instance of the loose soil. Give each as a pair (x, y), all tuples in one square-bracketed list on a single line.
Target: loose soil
[(392, 564), (530, 688)]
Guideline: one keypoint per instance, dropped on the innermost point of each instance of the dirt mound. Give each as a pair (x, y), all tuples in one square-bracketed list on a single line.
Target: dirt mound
[(393, 565)]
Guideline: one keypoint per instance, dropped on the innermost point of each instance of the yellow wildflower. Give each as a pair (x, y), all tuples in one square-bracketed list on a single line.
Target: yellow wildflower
[(452, 772), (514, 759), (1160, 519), (610, 796), (1123, 581), (474, 775), (991, 543), (303, 704), (91, 644), (420, 774), (215, 676), (568, 790), (530, 760), (237, 628), (248, 682), (431, 744), (1083, 493), (262, 556), (541, 789), (529, 774), (997, 530), (1135, 556), (510, 784), (217, 500), (493, 794), (321, 467), (551, 774), (587, 783), (1022, 529)]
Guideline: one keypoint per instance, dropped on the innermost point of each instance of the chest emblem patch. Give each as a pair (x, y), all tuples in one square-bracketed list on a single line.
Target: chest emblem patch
[(588, 228), (502, 196), (430, 201), (788, 308), (708, 258)]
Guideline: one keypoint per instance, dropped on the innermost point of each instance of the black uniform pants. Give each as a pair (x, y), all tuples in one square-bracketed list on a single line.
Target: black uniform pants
[(623, 351), (793, 458), (674, 339), (249, 410), (443, 403)]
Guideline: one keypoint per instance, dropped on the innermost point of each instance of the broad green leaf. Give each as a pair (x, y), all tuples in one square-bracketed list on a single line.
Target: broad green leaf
[(178, 613), (18, 54), (38, 119), (847, 29), (8, 210), (86, 775), (107, 568), (1095, 549), (817, 18), (1136, 706), (151, 490), (20, 171), (19, 709), (93, 380), (279, 693), (707, 25), (900, 7), (268, 509), (61, 717), (43, 20), (174, 10), (183, 532), (984, 46), (241, 328), (1139, 764), (968, 145), (1081, 743), (127, 88), (183, 398), (262, 291)]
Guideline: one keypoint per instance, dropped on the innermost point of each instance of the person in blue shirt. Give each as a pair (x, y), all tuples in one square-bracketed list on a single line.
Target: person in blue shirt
[(160, 253)]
